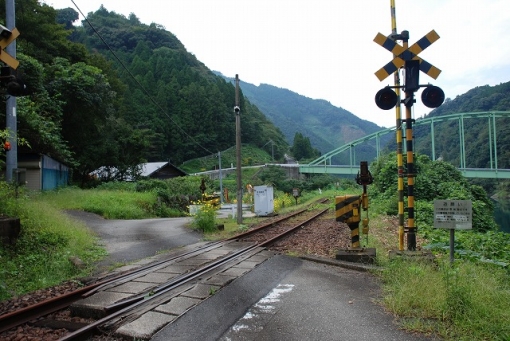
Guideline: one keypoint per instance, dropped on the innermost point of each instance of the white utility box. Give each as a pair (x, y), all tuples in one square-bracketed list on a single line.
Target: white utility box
[(264, 200)]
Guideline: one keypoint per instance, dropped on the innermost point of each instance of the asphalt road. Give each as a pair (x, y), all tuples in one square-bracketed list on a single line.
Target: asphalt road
[(287, 298), (131, 240)]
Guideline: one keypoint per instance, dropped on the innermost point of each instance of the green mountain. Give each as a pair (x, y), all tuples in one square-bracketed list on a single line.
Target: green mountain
[(476, 130), (327, 126), (187, 108)]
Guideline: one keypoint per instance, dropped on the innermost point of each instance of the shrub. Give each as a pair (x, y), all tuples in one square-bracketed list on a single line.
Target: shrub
[(149, 185), (205, 219)]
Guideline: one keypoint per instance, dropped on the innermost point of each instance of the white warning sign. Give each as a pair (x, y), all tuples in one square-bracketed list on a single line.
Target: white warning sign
[(453, 214)]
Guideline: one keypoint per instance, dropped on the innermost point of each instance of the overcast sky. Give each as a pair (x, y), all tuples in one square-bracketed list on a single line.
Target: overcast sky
[(324, 49)]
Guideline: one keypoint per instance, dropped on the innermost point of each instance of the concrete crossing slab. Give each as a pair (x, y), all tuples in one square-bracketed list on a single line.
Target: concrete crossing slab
[(156, 277), (93, 306), (247, 264), (220, 280), (195, 262), (178, 305), (236, 272), (132, 287), (175, 269), (145, 326), (201, 291)]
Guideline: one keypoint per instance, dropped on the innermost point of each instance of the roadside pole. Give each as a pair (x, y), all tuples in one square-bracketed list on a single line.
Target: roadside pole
[(222, 199), (237, 110), (10, 106)]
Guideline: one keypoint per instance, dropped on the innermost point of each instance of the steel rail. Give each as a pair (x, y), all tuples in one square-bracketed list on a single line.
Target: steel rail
[(29, 313), (266, 225), (151, 267), (24, 315), (179, 280), (135, 302)]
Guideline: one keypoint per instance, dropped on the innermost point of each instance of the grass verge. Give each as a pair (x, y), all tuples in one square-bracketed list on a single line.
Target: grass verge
[(43, 255), (461, 301)]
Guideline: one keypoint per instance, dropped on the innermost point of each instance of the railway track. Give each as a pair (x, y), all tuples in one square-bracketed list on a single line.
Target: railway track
[(199, 269)]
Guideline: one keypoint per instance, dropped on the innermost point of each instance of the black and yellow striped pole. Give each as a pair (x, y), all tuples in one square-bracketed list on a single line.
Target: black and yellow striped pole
[(409, 100), (347, 208), (400, 161)]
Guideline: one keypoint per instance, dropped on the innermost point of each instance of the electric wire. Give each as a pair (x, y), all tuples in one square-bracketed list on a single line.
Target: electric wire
[(137, 82)]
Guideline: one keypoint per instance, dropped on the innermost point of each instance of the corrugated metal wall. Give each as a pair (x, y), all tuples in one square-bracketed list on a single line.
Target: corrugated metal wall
[(54, 174)]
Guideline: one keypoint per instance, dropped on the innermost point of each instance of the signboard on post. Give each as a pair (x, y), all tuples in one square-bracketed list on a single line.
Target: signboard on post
[(453, 214)]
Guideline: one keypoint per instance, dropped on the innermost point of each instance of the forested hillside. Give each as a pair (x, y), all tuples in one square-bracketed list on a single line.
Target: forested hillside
[(479, 99), (187, 108), (327, 126), (120, 92)]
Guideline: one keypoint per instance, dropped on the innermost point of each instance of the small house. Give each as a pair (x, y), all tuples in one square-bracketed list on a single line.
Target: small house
[(153, 170), (161, 170)]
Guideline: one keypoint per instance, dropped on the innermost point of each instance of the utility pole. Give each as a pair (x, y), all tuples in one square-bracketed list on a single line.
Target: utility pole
[(237, 110), (10, 107), (221, 180)]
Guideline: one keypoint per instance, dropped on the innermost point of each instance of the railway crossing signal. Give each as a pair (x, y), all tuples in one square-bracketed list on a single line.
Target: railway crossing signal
[(14, 85), (386, 98), (432, 96)]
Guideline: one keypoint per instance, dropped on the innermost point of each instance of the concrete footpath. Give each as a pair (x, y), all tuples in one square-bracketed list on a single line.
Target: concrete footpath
[(287, 298)]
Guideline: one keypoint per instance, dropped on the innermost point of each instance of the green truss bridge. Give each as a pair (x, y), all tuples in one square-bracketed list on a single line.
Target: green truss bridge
[(324, 165)]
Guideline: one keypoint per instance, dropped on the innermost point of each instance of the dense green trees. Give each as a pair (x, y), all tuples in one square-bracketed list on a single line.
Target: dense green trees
[(132, 94), (435, 180), (71, 110), (302, 148), (185, 108)]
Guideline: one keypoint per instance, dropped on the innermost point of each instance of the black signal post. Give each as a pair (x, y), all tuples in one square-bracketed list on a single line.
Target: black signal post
[(386, 99)]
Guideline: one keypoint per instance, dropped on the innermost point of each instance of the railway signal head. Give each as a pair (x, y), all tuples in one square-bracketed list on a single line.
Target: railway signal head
[(16, 87), (386, 98), (432, 96), (13, 84)]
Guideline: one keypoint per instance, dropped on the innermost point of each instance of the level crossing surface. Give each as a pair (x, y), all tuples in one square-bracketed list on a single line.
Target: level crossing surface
[(288, 298), (283, 298)]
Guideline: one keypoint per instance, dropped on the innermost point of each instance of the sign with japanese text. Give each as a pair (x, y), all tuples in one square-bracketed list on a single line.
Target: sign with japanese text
[(453, 214)]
